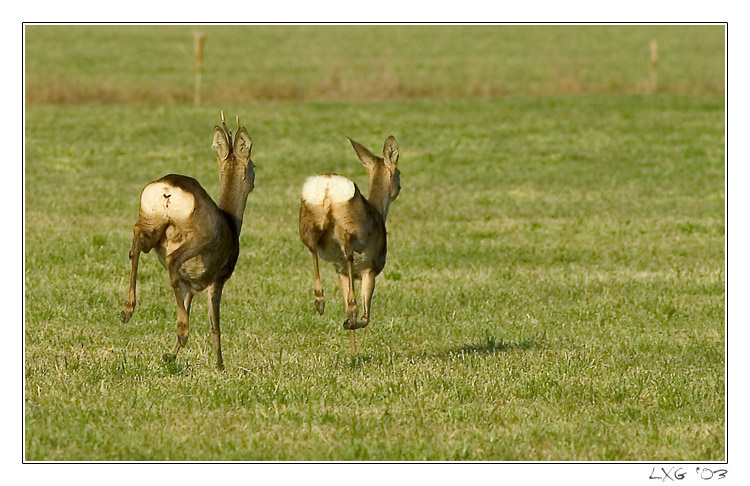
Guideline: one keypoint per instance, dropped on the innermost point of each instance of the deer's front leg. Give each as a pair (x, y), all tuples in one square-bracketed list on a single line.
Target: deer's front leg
[(349, 299), (347, 291), (368, 287), (350, 302), (320, 301), (214, 298)]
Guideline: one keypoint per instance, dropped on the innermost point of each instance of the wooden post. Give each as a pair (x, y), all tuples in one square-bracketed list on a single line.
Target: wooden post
[(653, 62), (199, 39)]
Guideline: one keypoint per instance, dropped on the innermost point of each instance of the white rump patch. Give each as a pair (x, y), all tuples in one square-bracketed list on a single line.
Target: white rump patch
[(336, 188), (160, 199)]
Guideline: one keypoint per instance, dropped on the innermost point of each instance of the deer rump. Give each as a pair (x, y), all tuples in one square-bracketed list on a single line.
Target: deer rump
[(333, 214), (178, 223)]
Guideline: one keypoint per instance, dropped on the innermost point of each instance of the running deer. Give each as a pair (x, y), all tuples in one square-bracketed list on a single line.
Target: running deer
[(196, 239), (339, 224)]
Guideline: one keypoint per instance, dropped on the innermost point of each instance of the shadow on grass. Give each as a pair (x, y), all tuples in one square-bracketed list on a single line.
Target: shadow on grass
[(490, 345), (172, 368), (487, 347), (357, 360)]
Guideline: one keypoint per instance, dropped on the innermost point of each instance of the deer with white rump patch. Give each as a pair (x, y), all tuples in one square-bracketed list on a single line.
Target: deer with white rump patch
[(196, 239), (339, 224)]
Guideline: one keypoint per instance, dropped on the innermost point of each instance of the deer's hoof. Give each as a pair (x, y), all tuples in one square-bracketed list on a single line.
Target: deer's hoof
[(169, 357), (352, 325), (320, 305), (361, 324), (126, 314)]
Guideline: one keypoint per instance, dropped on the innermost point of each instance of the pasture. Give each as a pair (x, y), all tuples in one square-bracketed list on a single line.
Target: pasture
[(555, 284)]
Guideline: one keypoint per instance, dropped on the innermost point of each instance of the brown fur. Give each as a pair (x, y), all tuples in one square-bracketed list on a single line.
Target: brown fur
[(195, 239), (351, 235)]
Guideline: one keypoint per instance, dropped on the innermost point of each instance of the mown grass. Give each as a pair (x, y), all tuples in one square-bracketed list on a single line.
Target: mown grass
[(554, 287), (123, 64)]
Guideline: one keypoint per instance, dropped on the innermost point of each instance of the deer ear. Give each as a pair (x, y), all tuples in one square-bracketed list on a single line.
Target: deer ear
[(220, 143), (364, 155), (242, 145), (390, 152)]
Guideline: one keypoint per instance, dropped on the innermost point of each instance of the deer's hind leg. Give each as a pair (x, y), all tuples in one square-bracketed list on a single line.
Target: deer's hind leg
[(183, 293), (144, 239), (310, 233), (320, 301), (184, 297)]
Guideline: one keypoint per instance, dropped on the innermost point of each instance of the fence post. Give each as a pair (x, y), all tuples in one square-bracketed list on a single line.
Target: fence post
[(199, 39), (652, 64)]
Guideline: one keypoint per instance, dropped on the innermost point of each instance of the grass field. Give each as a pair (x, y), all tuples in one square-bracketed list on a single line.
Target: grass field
[(555, 283), (108, 64)]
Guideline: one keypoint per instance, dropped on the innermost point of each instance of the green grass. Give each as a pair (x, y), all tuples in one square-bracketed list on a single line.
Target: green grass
[(554, 289), (103, 64)]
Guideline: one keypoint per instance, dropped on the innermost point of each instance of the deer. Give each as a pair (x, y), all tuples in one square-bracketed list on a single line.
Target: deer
[(195, 238), (337, 223)]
